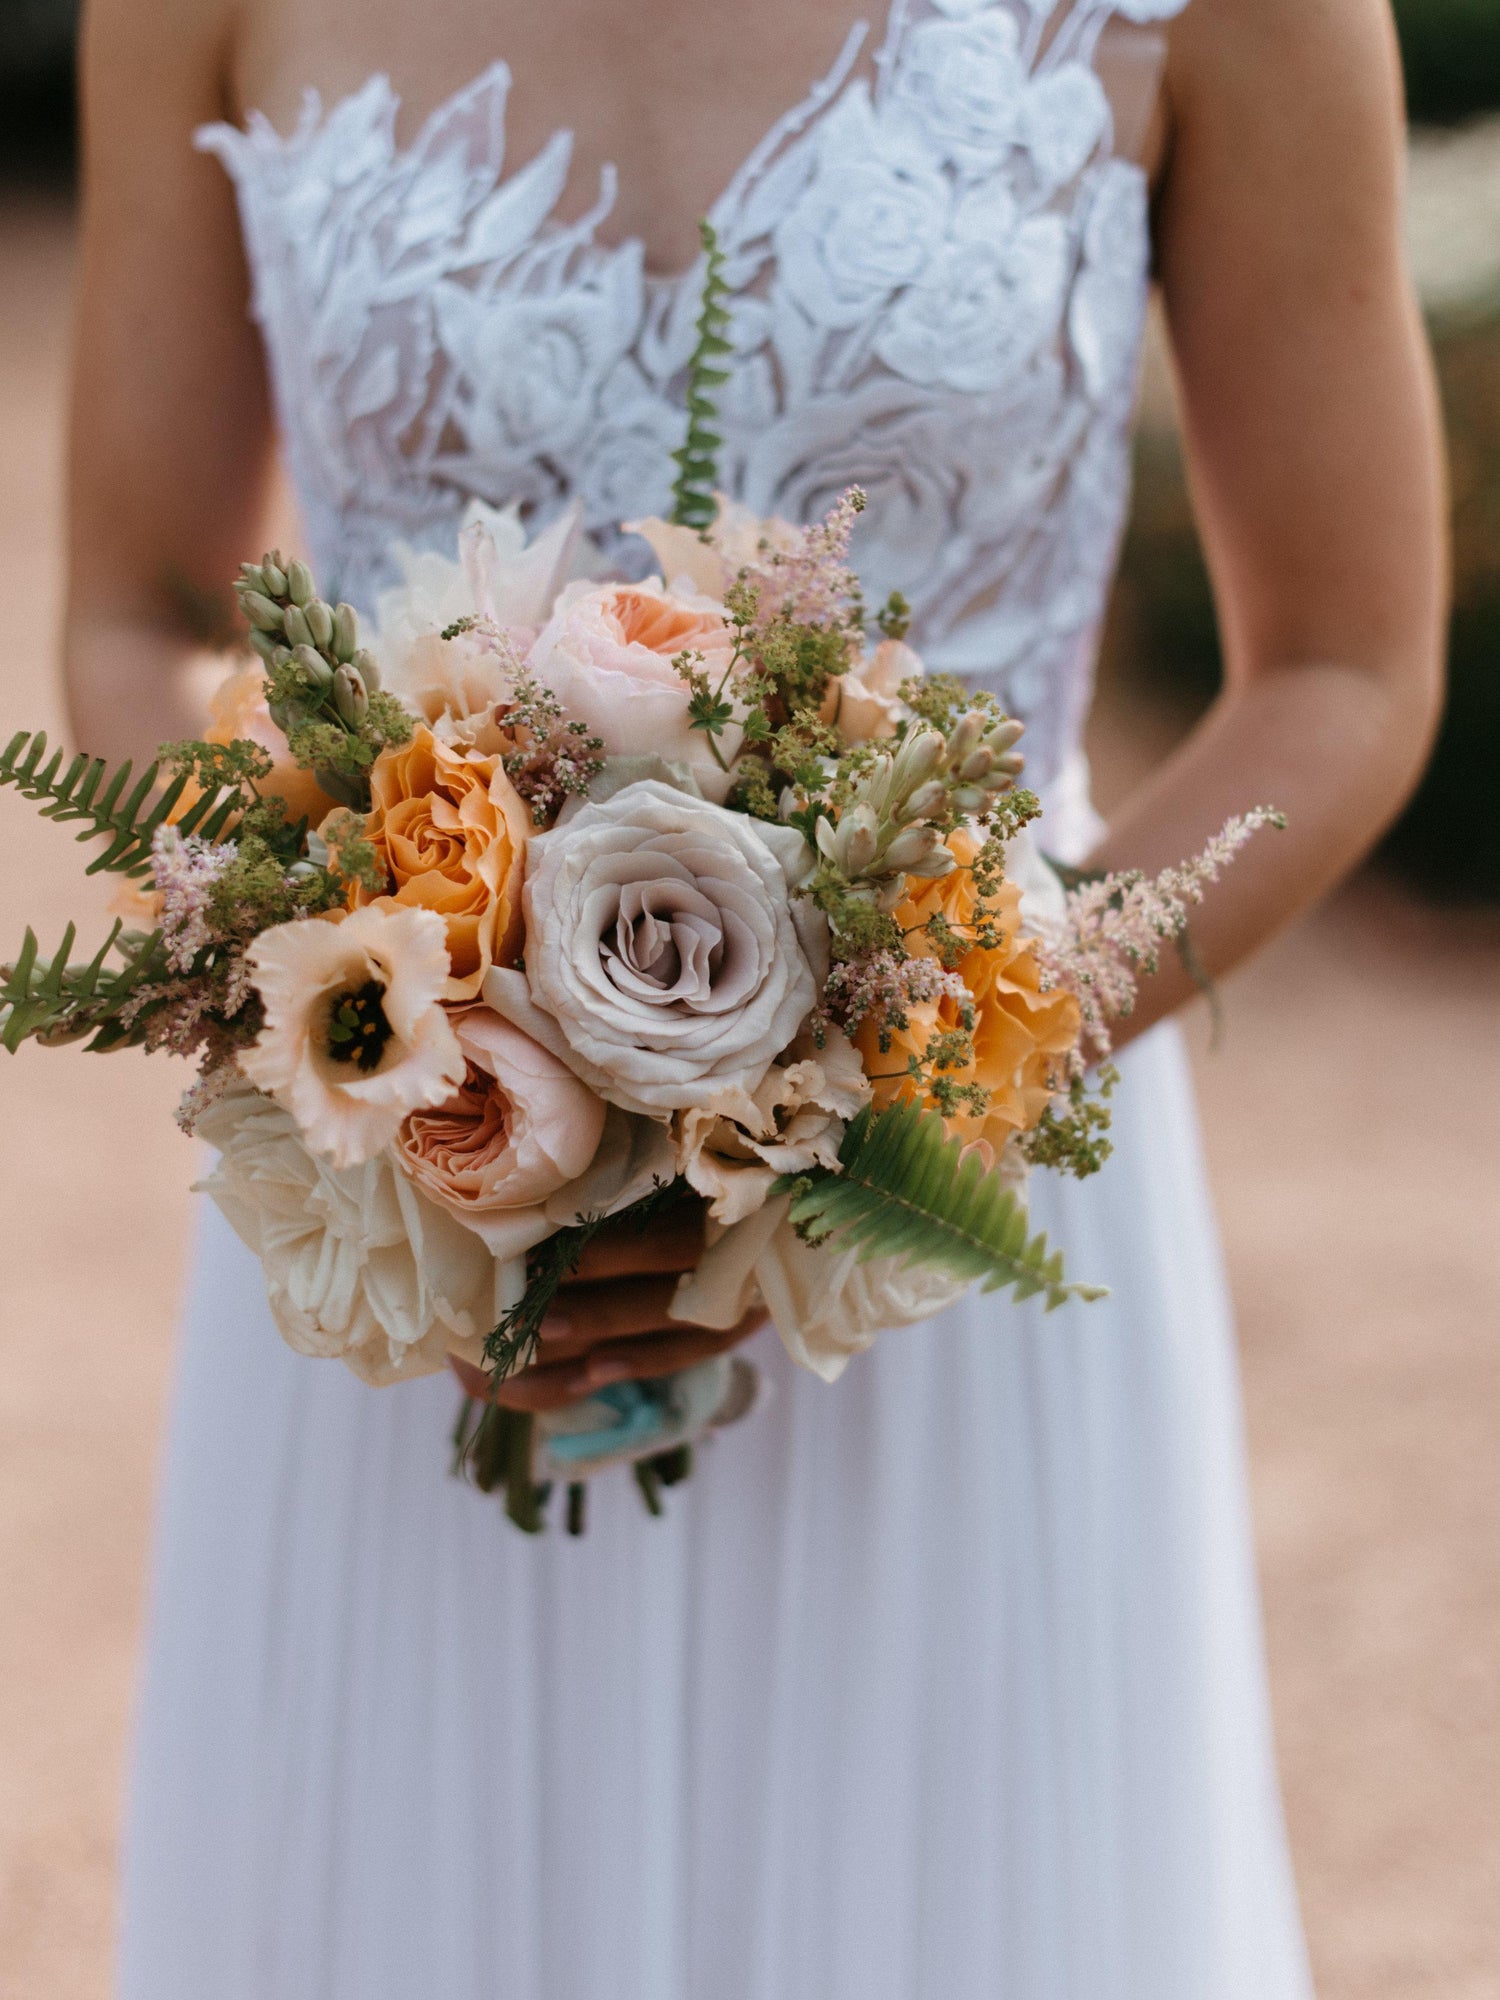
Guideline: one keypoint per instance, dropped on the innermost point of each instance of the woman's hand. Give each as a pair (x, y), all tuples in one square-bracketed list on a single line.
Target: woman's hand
[(611, 1323)]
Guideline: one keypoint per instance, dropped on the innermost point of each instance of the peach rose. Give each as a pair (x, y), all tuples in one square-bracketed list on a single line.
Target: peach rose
[(865, 703), (451, 831), (520, 1128), (607, 655), (1019, 1031)]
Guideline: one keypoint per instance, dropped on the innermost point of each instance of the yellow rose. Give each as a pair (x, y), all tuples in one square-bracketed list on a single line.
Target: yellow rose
[(1019, 1030), (450, 830)]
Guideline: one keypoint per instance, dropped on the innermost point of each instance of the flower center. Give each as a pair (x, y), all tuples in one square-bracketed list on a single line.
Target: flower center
[(357, 1027)]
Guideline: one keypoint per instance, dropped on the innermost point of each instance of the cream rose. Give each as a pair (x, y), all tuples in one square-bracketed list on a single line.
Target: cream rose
[(520, 1128), (827, 1305), (607, 654), (360, 1266), (734, 1145), (666, 957)]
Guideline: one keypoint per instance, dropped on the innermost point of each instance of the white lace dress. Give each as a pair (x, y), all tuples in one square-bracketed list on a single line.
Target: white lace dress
[(941, 1684)]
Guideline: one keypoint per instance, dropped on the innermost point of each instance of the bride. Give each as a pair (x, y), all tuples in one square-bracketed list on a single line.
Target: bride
[(945, 1684)]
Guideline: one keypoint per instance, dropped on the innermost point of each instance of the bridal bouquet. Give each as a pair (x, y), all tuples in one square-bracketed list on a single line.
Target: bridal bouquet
[(559, 899)]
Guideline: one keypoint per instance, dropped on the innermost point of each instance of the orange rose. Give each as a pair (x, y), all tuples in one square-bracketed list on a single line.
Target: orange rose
[(451, 830), (1018, 1031)]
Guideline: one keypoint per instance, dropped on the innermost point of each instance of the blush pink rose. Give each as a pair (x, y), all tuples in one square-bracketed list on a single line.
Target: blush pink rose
[(607, 654), (519, 1128)]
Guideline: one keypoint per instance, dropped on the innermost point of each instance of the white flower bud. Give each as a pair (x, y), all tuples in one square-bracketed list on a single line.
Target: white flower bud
[(265, 645), (938, 864), (345, 633), (1004, 735), (349, 697), (827, 833), (274, 575), (926, 800), (919, 756), (252, 577), (368, 668), (313, 668), (262, 613), (890, 894), (294, 623), (299, 583), (875, 787), (1012, 765), (978, 764), (319, 618), (858, 839), (971, 798), (911, 849), (966, 735)]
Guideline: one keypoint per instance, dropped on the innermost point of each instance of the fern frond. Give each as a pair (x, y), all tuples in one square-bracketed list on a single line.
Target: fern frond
[(904, 1190), (111, 808), (697, 459), (53, 1000)]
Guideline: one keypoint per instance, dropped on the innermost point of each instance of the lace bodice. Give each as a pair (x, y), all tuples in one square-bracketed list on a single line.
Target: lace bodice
[(939, 277)]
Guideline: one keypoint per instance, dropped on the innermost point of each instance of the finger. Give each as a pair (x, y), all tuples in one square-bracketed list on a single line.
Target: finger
[(621, 1250), (549, 1385), (589, 1314)]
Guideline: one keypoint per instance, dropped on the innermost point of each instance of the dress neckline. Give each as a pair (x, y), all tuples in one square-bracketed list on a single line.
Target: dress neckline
[(316, 115)]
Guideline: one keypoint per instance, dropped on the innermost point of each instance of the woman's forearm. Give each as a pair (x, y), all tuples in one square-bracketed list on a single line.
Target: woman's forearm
[(1336, 749), (132, 685)]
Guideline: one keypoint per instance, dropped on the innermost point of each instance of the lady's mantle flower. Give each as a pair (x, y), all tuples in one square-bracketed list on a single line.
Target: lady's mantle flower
[(355, 1037)]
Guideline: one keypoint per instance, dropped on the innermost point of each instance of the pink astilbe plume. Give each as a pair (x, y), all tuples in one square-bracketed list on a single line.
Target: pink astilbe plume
[(809, 581), (1117, 925), (184, 870)]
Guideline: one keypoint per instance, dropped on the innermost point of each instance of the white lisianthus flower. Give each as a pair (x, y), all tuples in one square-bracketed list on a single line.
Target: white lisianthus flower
[(360, 1266), (827, 1305), (355, 1037), (666, 957), (607, 654), (733, 1145)]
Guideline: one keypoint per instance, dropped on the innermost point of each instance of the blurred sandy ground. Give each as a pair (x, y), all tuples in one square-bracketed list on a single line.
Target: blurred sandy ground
[(1352, 1117)]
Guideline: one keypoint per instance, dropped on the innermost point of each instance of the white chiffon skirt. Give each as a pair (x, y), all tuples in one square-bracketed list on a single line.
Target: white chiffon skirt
[(944, 1683)]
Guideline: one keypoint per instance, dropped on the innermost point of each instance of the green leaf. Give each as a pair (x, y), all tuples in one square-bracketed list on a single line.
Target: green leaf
[(697, 459), (904, 1190), (127, 823), (53, 1000)]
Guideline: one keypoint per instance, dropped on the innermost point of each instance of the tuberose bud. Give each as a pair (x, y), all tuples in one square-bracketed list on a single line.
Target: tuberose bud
[(300, 587), (978, 764), (367, 667), (912, 848), (262, 613), (349, 697), (319, 618), (858, 839), (295, 625), (274, 575), (313, 668), (265, 645), (927, 799), (345, 633)]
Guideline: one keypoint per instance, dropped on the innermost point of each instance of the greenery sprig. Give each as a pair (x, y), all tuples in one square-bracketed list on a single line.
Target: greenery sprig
[(113, 809), (905, 1190), (697, 458)]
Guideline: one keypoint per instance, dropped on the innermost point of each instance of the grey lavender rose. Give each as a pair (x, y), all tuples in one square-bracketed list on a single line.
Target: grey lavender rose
[(666, 957)]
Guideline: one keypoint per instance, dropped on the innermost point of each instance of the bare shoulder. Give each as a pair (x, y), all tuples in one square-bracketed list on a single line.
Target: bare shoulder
[(1284, 56)]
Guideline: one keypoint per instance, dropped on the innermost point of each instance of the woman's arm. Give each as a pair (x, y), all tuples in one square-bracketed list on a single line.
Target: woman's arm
[(1313, 444), (171, 436)]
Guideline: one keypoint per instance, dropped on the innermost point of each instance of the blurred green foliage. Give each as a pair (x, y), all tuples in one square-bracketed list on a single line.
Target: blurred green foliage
[(1451, 51), (1448, 839)]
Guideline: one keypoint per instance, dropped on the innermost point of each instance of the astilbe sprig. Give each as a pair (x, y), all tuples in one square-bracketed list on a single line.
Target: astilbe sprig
[(1118, 923)]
